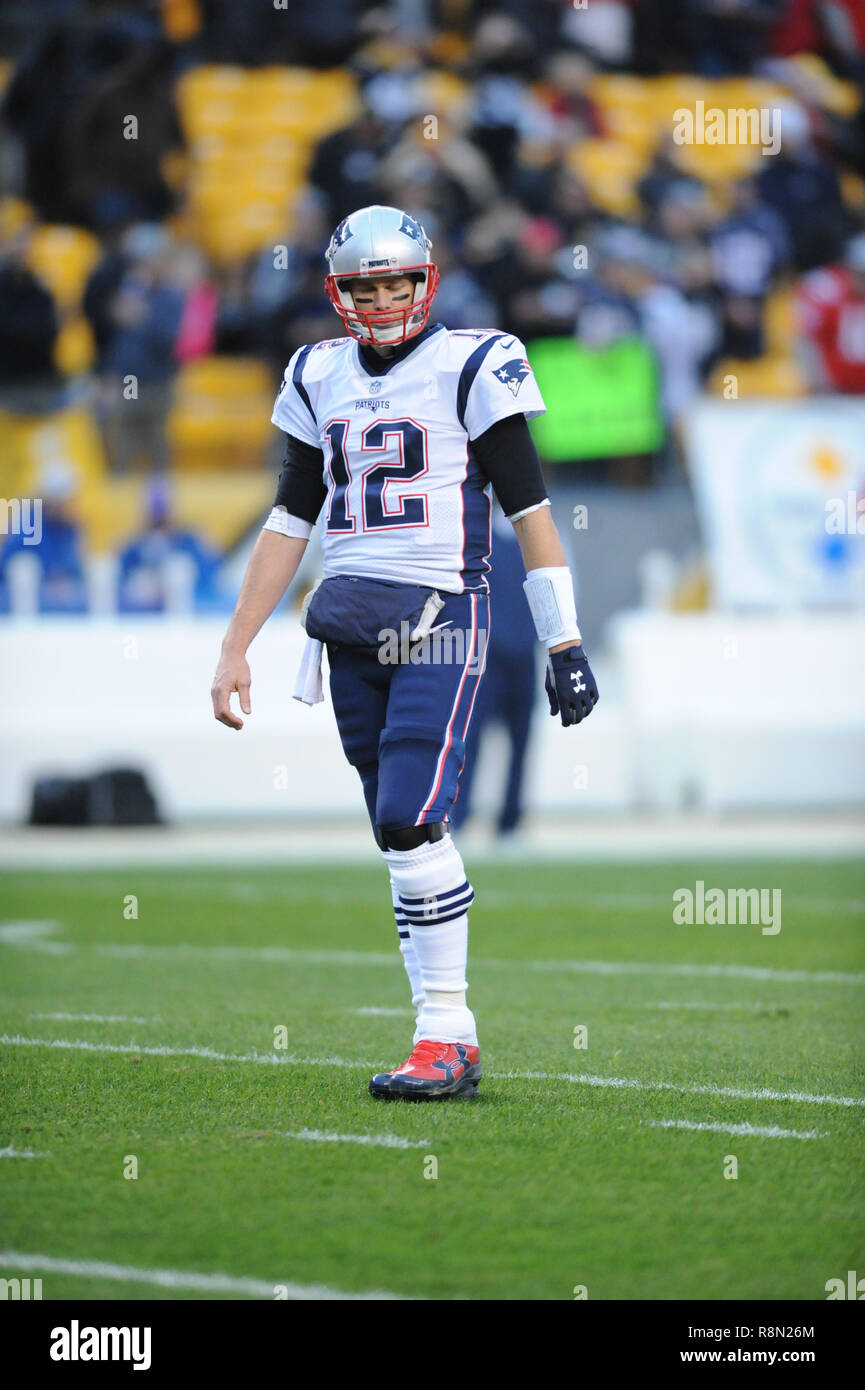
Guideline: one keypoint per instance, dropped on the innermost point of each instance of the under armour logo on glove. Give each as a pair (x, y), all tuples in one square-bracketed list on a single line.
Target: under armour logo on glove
[(570, 685)]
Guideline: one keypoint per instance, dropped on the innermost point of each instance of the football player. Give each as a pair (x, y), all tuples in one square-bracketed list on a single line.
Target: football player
[(399, 431)]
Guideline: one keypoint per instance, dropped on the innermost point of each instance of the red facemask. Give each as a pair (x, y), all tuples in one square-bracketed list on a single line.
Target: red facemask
[(372, 319)]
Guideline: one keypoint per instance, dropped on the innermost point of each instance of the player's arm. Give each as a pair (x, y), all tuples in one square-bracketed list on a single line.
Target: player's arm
[(541, 548), (508, 456), (272, 566)]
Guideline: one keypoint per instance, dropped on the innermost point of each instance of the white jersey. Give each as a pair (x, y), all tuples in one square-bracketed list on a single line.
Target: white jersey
[(407, 500)]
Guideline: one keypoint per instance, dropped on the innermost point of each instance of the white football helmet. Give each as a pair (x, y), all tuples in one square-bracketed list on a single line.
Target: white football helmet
[(372, 243)]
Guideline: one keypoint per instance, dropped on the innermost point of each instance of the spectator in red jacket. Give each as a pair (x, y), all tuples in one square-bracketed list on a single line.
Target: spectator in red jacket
[(832, 310)]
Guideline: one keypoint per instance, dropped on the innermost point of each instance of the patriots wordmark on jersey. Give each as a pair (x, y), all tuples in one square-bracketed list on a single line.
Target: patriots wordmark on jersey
[(406, 498)]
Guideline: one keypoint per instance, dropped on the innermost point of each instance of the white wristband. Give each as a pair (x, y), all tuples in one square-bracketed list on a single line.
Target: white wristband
[(281, 520), (550, 594)]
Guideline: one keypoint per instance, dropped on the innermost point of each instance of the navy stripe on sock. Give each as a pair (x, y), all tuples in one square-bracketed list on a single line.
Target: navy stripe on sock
[(435, 914), (436, 921), (451, 892)]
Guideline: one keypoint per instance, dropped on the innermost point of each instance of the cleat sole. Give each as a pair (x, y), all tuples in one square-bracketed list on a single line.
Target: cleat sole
[(467, 1086)]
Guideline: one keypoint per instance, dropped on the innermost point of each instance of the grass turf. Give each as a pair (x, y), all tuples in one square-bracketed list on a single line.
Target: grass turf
[(543, 1184)]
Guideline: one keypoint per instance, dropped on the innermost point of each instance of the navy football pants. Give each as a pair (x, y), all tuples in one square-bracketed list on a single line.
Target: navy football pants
[(403, 726)]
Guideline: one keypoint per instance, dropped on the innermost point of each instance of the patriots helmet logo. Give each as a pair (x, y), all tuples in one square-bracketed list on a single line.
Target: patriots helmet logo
[(340, 236), (409, 227), (512, 374)]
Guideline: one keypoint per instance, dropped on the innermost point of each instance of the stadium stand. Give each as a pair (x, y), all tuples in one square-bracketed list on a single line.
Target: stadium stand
[(496, 120)]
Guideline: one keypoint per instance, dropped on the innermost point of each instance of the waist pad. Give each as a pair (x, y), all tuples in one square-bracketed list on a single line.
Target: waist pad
[(351, 611)]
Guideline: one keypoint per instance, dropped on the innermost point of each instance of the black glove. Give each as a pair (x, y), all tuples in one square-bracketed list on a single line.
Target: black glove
[(570, 685)]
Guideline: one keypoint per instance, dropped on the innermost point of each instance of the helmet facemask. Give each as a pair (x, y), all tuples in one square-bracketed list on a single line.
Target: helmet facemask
[(385, 326)]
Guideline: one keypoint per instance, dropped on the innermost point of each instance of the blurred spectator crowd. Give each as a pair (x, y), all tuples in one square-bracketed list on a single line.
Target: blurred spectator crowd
[(171, 173)]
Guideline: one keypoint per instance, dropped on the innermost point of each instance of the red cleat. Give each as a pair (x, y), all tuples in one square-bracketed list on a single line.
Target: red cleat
[(434, 1070)]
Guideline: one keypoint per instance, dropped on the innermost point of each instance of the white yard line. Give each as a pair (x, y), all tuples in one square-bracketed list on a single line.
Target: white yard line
[(182, 1279), (280, 1059), (738, 1005), (289, 956), (373, 1012), (93, 1018), (267, 1058), (657, 902), (31, 935), (633, 1083), (278, 955), (383, 1141), (728, 972), (758, 1131), (20, 1153)]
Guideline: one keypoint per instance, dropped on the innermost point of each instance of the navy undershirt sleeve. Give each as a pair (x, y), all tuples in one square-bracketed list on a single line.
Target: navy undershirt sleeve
[(507, 454), (301, 488)]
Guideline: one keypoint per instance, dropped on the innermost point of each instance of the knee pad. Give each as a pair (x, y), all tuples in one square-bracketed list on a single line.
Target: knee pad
[(410, 836)]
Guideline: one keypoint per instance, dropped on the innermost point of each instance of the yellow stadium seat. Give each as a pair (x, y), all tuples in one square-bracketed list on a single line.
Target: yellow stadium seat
[(625, 106), (221, 414), (841, 98), (15, 216), (221, 507), (719, 163), (853, 190), (70, 437), (75, 348), (781, 321), (610, 171), (181, 19), (63, 258), (774, 375), (252, 135), (443, 93), (248, 105)]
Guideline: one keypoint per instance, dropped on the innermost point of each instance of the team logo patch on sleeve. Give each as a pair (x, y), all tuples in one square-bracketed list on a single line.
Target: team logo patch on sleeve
[(512, 374)]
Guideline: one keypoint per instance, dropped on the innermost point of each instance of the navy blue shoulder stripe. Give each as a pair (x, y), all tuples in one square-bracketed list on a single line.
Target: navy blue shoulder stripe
[(297, 378), (471, 367)]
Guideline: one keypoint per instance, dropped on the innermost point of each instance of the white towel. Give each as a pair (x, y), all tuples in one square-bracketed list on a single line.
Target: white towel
[(431, 610), (307, 686)]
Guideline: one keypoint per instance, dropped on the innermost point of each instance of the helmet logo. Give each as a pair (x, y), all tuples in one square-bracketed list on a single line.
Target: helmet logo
[(411, 228), (340, 236)]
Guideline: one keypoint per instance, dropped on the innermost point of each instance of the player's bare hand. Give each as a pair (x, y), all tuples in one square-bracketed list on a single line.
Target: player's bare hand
[(232, 674)]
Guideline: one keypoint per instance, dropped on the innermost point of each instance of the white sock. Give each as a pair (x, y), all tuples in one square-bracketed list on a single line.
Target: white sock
[(434, 897), (407, 950)]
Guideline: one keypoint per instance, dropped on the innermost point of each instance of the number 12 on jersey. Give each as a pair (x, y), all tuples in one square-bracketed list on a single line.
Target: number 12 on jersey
[(363, 496)]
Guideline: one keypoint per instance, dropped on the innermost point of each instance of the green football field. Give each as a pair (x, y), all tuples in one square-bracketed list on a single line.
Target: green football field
[(221, 1042)]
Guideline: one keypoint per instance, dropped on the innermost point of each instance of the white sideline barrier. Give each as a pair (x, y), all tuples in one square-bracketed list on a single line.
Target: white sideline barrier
[(727, 711), (780, 723), (82, 695)]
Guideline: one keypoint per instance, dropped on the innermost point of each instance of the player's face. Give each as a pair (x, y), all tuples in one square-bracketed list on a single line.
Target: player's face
[(377, 296)]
